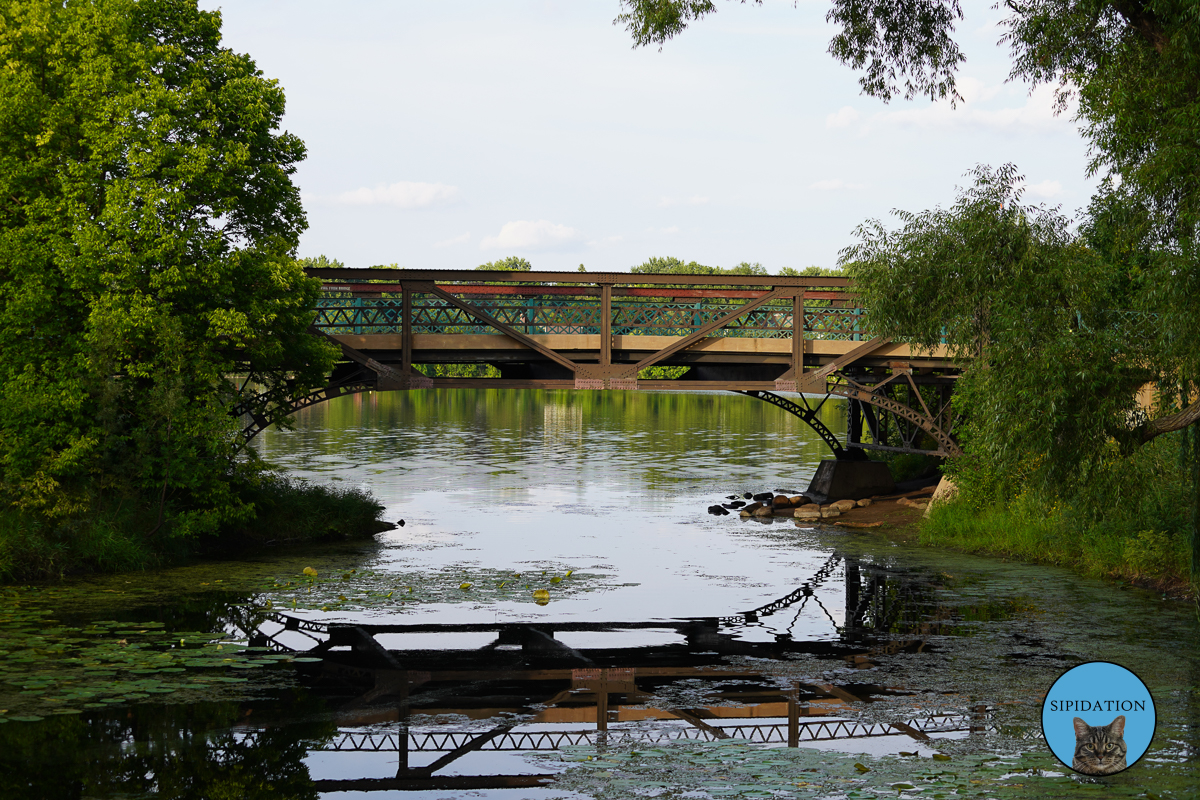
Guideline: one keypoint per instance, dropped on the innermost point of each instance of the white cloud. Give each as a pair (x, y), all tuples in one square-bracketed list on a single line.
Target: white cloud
[(835, 184), (974, 90), (451, 242), (1036, 113), (672, 229), (606, 241), (405, 194), (1046, 190), (843, 118), (695, 200), (529, 235)]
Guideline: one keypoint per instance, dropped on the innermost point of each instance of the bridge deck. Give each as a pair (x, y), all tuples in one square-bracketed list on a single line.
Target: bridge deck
[(482, 348)]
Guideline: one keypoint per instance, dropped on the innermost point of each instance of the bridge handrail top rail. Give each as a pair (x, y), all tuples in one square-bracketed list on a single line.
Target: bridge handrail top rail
[(356, 274), (575, 292)]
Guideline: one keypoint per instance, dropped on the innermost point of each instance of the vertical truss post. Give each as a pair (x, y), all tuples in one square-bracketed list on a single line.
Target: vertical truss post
[(798, 333), (793, 712), (406, 330), (978, 718), (854, 423), (606, 339), (602, 701), (402, 744)]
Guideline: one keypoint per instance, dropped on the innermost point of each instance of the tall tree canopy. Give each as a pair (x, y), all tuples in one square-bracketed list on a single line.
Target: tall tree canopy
[(148, 227), (1133, 65), (1033, 307)]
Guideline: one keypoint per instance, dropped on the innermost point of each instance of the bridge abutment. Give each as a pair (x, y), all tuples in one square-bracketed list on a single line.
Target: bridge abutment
[(841, 479)]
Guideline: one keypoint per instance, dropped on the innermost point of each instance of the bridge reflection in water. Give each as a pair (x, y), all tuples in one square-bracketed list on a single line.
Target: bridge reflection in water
[(540, 686)]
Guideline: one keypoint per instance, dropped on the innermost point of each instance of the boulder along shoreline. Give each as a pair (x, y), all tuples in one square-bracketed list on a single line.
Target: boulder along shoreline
[(900, 509)]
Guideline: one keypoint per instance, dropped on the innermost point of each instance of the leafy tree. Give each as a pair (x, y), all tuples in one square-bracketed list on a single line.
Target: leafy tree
[(674, 266), (320, 262), (1051, 372), (148, 227), (511, 264), (891, 41), (813, 272), (746, 268), (1134, 66)]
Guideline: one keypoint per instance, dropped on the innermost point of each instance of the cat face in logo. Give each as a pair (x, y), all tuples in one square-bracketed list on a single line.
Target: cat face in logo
[(1100, 749)]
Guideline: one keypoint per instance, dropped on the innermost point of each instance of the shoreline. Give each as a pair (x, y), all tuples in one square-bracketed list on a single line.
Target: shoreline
[(901, 517)]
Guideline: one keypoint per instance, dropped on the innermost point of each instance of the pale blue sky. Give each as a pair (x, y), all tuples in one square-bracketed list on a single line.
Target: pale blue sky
[(445, 134)]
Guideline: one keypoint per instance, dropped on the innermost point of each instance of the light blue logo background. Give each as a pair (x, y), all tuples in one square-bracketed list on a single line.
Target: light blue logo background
[(1098, 681)]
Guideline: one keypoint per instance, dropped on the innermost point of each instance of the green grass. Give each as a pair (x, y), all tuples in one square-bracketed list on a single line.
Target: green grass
[(33, 548), (1128, 517), (1027, 531)]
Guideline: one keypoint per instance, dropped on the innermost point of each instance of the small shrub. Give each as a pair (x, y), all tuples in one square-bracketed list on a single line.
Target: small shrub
[(662, 373), (458, 370), (911, 466), (120, 536), (288, 509)]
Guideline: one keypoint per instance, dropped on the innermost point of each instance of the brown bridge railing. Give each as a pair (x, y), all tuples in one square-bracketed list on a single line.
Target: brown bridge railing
[(346, 308)]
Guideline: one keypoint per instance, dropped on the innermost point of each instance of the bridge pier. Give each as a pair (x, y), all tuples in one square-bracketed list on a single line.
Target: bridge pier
[(840, 479)]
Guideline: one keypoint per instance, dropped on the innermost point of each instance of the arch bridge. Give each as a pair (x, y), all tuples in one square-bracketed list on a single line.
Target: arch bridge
[(794, 342)]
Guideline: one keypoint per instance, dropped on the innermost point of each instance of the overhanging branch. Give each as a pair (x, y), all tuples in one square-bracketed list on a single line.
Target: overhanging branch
[(1172, 422)]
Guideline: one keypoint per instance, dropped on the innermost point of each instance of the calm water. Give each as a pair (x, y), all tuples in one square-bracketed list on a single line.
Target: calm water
[(558, 604)]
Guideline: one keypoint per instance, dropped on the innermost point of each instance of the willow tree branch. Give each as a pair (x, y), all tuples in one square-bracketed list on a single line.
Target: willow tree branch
[(1172, 422)]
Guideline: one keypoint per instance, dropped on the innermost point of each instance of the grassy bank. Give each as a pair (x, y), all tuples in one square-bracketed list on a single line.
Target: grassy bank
[(126, 536), (1147, 557), (1129, 519)]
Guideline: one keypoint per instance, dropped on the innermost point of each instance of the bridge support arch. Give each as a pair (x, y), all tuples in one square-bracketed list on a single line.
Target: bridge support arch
[(809, 415), (875, 406), (357, 374)]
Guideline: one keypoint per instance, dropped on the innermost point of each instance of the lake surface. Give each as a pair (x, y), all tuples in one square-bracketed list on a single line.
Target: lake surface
[(559, 617)]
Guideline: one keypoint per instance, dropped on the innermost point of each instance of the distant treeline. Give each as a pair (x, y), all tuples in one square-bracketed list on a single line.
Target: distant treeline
[(668, 265)]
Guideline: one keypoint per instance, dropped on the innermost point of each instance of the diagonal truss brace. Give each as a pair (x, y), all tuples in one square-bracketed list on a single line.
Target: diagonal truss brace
[(389, 378), (853, 390), (624, 376), (512, 333), (814, 382)]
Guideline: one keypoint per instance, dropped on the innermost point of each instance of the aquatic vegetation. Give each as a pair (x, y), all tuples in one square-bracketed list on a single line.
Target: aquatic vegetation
[(737, 768), (47, 667), (379, 590)]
